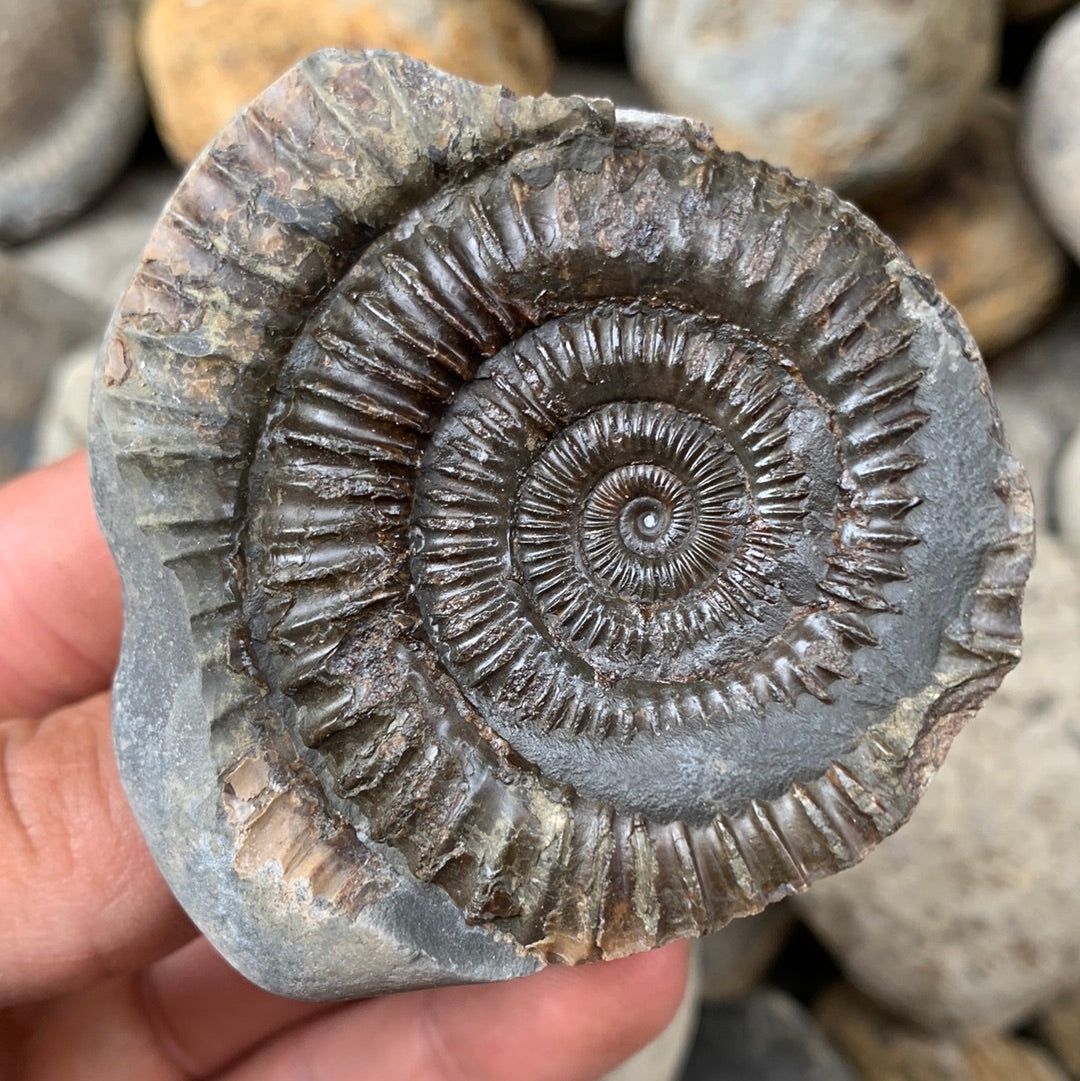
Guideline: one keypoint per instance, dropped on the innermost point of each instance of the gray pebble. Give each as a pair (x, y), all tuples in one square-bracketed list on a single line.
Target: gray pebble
[(95, 256), (765, 1037), (39, 324), (1037, 386), (857, 94), (71, 108), (1050, 132), (1067, 490), (61, 426), (736, 958), (966, 918)]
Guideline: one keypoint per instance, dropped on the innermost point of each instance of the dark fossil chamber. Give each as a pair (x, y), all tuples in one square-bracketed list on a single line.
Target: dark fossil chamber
[(582, 536)]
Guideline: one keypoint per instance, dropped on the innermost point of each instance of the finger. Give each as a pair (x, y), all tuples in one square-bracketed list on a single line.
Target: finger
[(185, 1017), (560, 1025), (59, 592), (201, 1014), (191, 1015), (80, 897)]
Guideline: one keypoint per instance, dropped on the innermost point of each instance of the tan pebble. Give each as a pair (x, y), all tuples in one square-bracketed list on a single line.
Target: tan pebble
[(1059, 1026), (204, 59), (884, 1049), (1020, 10), (972, 228)]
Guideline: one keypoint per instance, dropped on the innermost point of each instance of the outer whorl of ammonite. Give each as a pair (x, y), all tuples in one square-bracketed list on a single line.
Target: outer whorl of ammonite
[(577, 536)]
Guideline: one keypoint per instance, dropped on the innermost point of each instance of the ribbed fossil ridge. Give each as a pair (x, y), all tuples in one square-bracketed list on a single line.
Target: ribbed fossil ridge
[(569, 497)]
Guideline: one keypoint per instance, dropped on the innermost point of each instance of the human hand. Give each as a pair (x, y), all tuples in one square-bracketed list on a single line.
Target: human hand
[(103, 978)]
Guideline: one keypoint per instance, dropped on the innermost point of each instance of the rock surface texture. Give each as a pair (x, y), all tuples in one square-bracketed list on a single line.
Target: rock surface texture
[(71, 107), (972, 228), (546, 535), (1050, 129), (857, 94), (204, 59)]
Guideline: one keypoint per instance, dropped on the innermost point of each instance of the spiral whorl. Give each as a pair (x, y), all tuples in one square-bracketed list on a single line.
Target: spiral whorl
[(576, 511), (628, 514)]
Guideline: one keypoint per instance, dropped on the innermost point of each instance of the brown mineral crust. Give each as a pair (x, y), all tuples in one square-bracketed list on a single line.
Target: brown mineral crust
[(204, 60), (281, 824)]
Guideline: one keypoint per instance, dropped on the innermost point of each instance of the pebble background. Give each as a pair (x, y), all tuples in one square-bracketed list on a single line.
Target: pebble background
[(953, 951), (857, 94)]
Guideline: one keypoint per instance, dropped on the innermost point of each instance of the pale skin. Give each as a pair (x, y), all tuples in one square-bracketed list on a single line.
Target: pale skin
[(102, 977)]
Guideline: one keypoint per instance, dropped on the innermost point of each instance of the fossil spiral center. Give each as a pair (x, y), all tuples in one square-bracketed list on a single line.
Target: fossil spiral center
[(650, 525), (606, 516), (637, 501), (644, 520), (647, 525)]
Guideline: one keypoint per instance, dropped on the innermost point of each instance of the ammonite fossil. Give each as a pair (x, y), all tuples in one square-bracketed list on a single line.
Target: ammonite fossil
[(545, 534)]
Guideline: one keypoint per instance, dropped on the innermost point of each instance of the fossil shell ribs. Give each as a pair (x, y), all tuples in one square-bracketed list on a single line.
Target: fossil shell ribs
[(617, 529)]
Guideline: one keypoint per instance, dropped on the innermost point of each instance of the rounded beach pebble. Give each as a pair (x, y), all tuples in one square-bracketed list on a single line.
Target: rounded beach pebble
[(71, 108), (204, 59), (856, 94), (1050, 132), (971, 226)]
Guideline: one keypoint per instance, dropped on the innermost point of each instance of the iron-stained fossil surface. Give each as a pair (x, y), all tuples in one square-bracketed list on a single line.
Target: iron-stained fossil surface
[(544, 534)]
